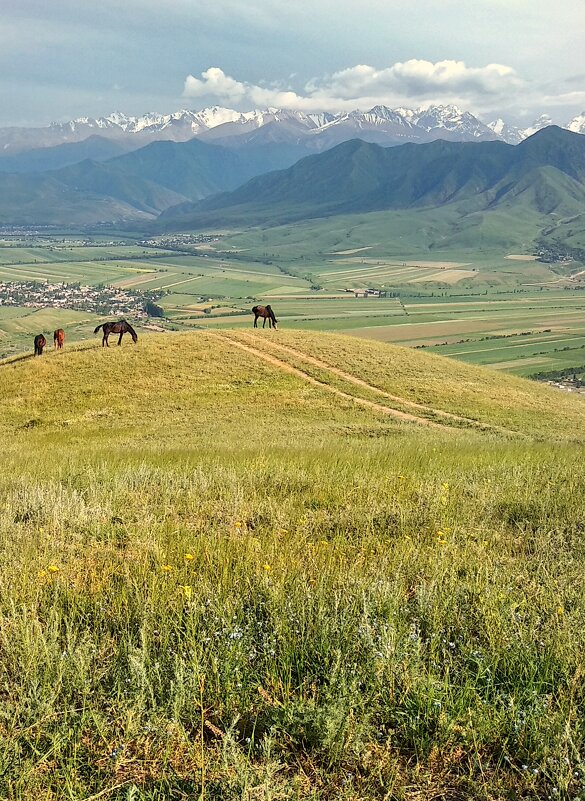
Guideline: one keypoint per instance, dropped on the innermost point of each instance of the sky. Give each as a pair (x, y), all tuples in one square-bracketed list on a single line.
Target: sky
[(516, 59)]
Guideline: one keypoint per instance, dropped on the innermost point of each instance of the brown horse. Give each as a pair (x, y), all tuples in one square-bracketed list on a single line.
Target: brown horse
[(59, 338), (267, 313), (121, 327), (40, 343)]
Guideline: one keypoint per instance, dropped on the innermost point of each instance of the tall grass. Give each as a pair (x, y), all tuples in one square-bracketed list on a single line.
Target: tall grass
[(319, 609)]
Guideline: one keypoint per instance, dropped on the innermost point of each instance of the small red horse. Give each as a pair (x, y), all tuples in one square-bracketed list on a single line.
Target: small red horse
[(59, 338)]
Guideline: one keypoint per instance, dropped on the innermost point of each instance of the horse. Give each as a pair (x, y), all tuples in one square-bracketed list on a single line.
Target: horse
[(267, 313), (40, 343), (121, 327), (59, 338)]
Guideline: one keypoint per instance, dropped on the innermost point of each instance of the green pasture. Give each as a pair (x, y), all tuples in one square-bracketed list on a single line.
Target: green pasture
[(19, 326), (223, 581), (304, 272), (64, 253)]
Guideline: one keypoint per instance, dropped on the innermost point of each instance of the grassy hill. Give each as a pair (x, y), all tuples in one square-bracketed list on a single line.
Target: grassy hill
[(279, 564)]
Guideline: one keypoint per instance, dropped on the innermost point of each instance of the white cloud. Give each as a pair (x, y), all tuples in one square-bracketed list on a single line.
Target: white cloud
[(414, 81)]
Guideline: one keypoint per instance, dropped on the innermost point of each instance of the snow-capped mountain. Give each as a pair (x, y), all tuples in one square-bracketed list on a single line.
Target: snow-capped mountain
[(452, 122), (577, 124), (309, 131)]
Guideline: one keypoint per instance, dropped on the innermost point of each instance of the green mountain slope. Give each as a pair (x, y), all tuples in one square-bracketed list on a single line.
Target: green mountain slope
[(234, 565), (81, 193), (197, 169), (94, 187), (358, 177)]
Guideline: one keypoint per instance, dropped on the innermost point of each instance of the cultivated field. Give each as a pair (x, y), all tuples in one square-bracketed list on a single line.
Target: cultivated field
[(492, 307)]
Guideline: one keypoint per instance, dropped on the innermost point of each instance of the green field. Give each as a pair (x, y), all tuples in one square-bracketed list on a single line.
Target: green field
[(288, 565), (480, 304)]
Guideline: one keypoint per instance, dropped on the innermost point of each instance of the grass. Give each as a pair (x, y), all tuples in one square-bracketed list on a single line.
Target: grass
[(223, 582)]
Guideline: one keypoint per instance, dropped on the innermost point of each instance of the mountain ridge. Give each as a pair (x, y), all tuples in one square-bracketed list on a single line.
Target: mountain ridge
[(318, 130), (359, 177)]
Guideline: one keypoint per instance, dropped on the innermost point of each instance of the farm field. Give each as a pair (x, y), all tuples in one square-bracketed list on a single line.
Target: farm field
[(288, 566), (498, 308)]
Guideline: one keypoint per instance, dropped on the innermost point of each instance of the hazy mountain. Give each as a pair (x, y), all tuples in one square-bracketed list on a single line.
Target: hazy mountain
[(361, 177), (193, 168), (87, 192), (97, 148), (312, 132), (139, 183)]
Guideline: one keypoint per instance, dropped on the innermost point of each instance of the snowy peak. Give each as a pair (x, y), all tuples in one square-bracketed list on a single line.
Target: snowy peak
[(451, 119), (577, 124), (311, 130)]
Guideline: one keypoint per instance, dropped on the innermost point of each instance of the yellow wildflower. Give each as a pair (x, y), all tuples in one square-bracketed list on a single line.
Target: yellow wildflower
[(189, 557), (187, 591), (41, 574), (267, 567), (166, 568), (238, 524), (53, 568)]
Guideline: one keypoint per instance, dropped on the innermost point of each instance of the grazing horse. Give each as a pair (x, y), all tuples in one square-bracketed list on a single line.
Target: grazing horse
[(267, 313), (121, 327), (59, 338), (40, 343)]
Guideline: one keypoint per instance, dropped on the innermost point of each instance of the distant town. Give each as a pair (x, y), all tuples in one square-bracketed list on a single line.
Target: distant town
[(97, 299)]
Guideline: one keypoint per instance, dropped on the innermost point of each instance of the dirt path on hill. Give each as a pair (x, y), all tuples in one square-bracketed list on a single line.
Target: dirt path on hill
[(288, 368), (299, 354)]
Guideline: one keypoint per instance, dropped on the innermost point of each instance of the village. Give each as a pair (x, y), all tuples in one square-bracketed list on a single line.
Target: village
[(97, 299)]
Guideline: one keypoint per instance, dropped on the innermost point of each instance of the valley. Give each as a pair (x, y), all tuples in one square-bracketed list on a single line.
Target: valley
[(501, 309), (315, 561)]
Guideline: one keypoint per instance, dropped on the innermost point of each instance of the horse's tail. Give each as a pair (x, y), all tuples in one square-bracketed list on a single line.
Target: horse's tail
[(95, 330), (272, 317)]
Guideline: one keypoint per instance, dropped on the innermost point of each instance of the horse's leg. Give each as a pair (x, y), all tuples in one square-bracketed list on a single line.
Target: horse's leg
[(120, 337), (264, 322), (256, 321), (105, 341)]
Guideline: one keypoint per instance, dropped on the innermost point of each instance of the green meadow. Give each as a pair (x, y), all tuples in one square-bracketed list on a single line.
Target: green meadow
[(288, 565), (486, 301)]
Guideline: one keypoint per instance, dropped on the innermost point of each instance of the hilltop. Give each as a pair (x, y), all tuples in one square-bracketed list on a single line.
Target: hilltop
[(182, 366), (247, 562)]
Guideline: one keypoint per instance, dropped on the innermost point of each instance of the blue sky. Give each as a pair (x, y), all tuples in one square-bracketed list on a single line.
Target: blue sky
[(61, 59)]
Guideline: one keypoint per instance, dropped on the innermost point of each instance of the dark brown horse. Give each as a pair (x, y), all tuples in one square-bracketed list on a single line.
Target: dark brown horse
[(59, 338), (40, 343), (121, 327), (267, 313)]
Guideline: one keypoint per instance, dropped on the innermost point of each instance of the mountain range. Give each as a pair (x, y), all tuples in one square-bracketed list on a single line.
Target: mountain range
[(263, 175), (544, 174), (230, 128)]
